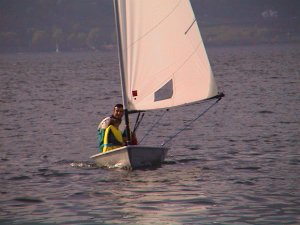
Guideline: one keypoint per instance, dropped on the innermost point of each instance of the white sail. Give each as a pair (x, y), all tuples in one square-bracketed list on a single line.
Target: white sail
[(165, 63)]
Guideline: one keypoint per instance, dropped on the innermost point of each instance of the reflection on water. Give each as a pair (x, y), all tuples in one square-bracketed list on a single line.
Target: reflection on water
[(238, 164)]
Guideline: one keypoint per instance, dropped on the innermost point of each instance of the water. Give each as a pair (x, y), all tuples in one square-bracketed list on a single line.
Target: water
[(237, 164)]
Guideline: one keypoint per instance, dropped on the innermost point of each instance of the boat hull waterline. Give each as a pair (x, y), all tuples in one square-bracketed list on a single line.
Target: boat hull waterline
[(131, 157)]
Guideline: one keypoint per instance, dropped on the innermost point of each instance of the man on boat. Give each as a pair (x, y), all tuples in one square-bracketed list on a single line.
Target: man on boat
[(109, 133), (116, 116)]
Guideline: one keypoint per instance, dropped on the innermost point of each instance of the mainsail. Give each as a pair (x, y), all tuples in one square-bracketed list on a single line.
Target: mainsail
[(163, 63), (164, 60)]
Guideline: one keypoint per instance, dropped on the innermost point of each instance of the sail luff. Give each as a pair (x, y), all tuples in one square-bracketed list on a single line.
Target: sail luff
[(122, 70)]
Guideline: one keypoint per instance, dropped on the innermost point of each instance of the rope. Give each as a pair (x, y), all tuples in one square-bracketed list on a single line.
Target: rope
[(137, 122), (186, 126), (151, 128)]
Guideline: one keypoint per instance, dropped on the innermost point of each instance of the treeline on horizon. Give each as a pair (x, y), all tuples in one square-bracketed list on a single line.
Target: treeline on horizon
[(64, 25), (47, 25), (56, 39)]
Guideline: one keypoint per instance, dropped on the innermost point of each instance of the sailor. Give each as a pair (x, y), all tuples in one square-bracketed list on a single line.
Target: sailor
[(118, 112), (113, 122), (117, 115)]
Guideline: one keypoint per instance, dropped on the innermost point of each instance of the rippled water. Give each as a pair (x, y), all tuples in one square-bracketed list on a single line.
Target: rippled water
[(237, 164)]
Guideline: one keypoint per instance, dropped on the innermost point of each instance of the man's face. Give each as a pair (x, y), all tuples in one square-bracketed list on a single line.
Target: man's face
[(118, 112)]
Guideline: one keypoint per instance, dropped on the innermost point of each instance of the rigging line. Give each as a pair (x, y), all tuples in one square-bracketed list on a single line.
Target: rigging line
[(138, 121), (153, 126), (189, 124)]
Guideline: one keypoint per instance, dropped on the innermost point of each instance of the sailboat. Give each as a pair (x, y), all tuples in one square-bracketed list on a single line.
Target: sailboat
[(163, 64)]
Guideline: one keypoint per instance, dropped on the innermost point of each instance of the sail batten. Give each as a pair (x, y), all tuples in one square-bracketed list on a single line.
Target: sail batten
[(165, 62)]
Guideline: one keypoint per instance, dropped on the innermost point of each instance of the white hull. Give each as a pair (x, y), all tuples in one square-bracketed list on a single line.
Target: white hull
[(131, 157)]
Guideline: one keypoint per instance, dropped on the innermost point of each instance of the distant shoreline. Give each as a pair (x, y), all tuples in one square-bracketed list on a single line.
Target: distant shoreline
[(114, 50)]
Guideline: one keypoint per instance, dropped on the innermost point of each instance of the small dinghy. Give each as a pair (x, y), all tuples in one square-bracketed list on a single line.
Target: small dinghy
[(163, 64)]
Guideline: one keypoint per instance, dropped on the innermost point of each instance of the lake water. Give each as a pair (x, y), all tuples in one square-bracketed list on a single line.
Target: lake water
[(238, 164)]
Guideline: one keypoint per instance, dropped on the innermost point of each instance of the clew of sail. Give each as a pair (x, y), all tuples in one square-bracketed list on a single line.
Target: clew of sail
[(165, 62)]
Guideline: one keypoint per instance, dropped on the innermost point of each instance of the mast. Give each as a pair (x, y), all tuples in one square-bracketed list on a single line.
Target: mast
[(122, 71)]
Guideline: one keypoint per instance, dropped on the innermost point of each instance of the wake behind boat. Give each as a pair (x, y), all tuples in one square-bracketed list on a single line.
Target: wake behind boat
[(163, 64)]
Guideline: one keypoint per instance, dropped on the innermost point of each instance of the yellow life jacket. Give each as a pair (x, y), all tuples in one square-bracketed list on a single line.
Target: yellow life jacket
[(117, 135)]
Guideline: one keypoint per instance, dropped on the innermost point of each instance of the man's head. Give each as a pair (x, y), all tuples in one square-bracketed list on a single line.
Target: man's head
[(118, 111)]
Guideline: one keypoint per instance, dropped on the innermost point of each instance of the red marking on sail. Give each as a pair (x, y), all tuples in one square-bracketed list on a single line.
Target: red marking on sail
[(134, 93)]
